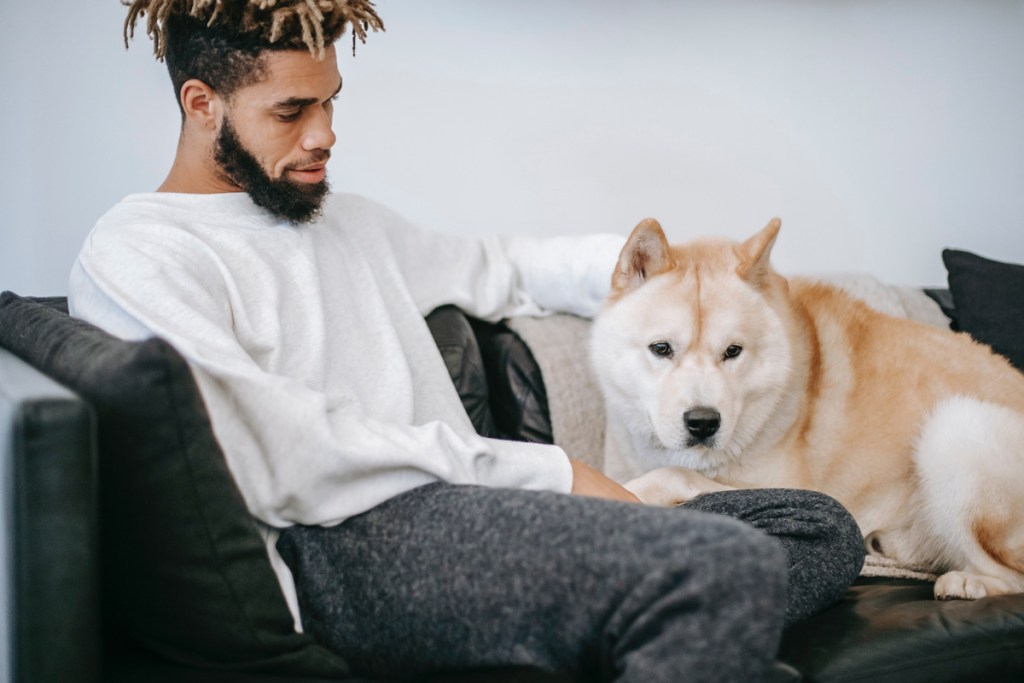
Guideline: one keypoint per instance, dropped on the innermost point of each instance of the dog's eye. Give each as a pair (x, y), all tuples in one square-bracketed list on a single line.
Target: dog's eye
[(732, 351), (662, 349)]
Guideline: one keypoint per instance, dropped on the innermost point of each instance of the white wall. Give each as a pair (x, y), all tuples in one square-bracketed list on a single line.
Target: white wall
[(879, 131)]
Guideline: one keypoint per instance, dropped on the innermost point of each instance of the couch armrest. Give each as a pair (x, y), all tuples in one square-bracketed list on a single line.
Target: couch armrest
[(49, 605)]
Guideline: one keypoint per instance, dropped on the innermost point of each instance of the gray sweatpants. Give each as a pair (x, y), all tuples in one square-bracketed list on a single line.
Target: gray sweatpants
[(448, 578)]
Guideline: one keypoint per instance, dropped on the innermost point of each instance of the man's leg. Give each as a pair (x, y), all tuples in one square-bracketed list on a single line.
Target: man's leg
[(454, 577), (824, 544)]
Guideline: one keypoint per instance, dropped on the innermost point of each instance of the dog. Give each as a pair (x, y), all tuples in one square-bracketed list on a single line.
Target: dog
[(719, 373)]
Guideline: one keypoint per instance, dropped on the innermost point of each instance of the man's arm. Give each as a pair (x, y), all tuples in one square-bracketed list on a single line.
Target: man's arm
[(587, 481), (492, 277)]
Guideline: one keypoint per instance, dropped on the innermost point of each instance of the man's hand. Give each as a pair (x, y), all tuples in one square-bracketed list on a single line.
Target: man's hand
[(587, 481), (673, 486)]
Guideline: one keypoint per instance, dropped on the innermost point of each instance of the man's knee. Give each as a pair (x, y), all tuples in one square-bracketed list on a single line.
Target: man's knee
[(756, 562), (740, 563), (840, 539), (808, 521), (709, 606)]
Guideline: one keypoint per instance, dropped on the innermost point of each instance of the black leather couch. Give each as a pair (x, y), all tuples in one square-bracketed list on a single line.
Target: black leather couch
[(134, 560)]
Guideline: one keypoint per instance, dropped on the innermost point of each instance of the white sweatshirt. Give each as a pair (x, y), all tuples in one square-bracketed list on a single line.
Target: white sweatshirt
[(324, 387)]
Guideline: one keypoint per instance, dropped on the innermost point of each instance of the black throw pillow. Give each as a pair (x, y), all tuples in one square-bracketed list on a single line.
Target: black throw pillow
[(184, 569), (989, 300), (461, 354)]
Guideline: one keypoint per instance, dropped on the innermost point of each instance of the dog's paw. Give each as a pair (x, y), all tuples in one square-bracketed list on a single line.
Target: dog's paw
[(651, 490), (965, 586), (672, 486)]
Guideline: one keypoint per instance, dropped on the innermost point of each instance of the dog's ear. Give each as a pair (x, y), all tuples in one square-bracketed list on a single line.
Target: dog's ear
[(645, 255), (754, 255)]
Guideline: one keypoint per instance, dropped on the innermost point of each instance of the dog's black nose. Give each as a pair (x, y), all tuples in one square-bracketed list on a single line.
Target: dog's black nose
[(702, 422)]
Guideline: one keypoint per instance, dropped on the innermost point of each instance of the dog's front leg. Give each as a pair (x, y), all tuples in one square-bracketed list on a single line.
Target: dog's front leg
[(672, 486)]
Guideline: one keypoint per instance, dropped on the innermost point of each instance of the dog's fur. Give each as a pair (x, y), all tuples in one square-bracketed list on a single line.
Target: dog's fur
[(918, 431)]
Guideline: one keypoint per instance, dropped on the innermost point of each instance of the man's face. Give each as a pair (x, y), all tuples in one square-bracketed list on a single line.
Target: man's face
[(276, 135)]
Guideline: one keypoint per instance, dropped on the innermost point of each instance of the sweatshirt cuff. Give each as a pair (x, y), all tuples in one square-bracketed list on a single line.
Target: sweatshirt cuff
[(525, 465), (566, 274)]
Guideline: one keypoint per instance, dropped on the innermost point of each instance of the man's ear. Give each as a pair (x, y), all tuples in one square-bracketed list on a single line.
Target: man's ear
[(201, 104), (754, 254), (645, 255)]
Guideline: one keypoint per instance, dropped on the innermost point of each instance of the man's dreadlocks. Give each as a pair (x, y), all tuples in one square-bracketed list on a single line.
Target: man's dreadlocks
[(274, 24), (221, 42)]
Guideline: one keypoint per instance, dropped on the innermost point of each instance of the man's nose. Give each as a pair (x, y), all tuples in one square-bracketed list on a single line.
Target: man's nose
[(320, 132)]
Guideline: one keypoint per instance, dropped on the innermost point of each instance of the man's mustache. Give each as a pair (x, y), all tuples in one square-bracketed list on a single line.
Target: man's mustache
[(319, 156)]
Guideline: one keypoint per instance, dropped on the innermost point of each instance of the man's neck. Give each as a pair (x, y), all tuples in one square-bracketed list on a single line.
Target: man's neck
[(193, 172)]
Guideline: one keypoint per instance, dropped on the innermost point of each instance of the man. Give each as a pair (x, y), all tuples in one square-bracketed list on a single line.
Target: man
[(412, 544)]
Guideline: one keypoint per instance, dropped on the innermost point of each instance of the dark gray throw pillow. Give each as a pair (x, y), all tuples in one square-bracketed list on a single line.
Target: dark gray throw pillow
[(989, 300), (184, 569)]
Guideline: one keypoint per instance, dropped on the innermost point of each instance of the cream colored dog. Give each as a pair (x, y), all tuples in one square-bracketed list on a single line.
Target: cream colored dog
[(735, 377)]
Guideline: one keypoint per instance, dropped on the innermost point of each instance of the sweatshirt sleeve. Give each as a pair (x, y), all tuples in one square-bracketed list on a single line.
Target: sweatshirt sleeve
[(493, 277), (298, 454)]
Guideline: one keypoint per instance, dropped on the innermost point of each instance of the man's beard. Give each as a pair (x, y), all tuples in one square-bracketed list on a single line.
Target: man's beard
[(290, 201)]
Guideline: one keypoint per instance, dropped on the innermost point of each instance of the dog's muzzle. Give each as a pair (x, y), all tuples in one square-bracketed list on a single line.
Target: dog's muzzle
[(701, 423)]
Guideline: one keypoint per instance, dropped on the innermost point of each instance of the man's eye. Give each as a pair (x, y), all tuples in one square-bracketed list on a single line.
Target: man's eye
[(285, 117), (732, 351), (661, 349)]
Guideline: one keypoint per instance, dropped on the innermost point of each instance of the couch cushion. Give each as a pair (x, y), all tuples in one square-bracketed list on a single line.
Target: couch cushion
[(184, 570), (518, 398), (460, 351), (895, 631), (989, 300), (495, 374)]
